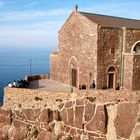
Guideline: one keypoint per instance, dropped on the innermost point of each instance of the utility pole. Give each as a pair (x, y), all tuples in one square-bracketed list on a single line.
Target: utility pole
[(30, 67)]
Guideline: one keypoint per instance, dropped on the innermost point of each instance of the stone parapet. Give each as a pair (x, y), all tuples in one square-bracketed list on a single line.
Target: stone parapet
[(113, 96), (36, 77), (31, 98)]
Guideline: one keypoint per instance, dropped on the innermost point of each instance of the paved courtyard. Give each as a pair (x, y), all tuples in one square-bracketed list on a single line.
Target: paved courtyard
[(46, 84)]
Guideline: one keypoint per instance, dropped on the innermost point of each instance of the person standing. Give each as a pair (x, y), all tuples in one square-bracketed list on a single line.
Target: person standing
[(14, 84), (10, 85), (92, 86)]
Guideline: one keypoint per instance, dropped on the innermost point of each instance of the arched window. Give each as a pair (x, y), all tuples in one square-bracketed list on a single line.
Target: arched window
[(136, 48), (111, 69)]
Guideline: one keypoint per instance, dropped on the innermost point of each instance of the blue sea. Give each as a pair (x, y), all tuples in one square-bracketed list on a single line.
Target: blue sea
[(15, 64)]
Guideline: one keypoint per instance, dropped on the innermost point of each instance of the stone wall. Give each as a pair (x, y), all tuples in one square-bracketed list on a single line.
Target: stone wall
[(91, 49), (30, 124), (108, 54), (81, 118), (136, 72), (16, 98), (85, 120), (55, 66), (131, 71), (36, 77), (77, 50), (128, 71), (132, 36)]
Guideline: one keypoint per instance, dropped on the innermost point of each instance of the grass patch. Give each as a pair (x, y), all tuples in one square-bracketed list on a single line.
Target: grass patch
[(38, 98), (69, 138), (138, 119), (58, 100), (91, 99)]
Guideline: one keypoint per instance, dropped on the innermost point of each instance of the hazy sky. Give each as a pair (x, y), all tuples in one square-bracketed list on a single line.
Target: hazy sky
[(35, 23)]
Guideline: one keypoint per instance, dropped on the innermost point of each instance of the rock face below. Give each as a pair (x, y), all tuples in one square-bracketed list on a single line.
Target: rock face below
[(79, 119), (126, 119)]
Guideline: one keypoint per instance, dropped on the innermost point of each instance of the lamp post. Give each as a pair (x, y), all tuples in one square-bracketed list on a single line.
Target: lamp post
[(30, 67)]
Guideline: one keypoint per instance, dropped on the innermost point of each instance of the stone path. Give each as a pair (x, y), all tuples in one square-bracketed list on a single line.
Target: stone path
[(46, 84)]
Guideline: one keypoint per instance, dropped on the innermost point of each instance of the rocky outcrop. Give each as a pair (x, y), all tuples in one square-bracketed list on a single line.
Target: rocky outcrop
[(28, 124), (126, 119), (77, 119), (84, 119)]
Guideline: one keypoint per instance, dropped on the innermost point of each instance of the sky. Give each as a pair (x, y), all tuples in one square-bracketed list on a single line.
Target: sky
[(35, 23)]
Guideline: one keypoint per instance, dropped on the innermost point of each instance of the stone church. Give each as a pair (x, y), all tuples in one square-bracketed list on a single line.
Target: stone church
[(96, 47)]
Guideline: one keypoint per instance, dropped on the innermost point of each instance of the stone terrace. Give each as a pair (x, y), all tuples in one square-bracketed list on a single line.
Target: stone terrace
[(49, 85)]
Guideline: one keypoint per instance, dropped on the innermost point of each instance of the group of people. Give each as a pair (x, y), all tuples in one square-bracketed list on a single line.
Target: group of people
[(92, 86), (19, 84)]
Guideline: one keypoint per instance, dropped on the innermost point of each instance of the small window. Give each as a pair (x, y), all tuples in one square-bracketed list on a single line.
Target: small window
[(112, 50), (90, 74), (137, 48)]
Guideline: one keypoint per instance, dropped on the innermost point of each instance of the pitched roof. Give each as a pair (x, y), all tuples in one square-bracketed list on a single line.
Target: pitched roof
[(112, 21)]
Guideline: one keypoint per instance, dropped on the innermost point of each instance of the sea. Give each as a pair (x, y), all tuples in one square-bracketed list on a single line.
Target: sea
[(16, 63)]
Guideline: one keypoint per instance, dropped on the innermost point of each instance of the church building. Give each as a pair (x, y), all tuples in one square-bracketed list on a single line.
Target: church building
[(96, 47)]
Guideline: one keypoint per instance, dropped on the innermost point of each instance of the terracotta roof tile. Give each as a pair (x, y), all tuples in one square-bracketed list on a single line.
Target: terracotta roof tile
[(55, 52), (112, 21)]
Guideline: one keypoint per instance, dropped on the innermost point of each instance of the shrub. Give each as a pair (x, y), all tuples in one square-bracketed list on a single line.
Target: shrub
[(58, 100), (35, 133), (138, 119), (38, 98), (69, 138), (91, 99)]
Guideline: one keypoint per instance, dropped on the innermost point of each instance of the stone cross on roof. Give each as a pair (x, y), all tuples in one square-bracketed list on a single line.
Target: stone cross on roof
[(76, 7)]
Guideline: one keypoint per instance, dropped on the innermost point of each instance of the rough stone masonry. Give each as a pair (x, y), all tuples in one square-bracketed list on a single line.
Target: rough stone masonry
[(96, 47), (96, 115)]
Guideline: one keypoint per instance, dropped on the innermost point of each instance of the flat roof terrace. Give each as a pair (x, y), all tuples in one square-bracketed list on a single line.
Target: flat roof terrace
[(49, 85)]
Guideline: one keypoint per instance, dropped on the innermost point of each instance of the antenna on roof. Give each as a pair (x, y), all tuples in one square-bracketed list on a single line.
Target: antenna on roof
[(76, 7)]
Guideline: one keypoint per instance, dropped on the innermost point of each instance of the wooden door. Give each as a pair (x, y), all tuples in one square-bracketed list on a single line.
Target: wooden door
[(74, 77), (111, 80)]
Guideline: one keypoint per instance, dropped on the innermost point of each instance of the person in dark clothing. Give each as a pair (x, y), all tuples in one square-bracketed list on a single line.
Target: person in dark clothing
[(118, 86), (84, 86), (23, 83), (92, 86)]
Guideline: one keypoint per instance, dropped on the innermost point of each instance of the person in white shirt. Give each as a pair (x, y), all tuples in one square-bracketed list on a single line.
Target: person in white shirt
[(10, 85), (14, 84)]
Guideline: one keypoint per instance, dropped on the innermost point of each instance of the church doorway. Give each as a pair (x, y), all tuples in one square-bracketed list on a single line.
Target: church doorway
[(111, 78), (74, 78)]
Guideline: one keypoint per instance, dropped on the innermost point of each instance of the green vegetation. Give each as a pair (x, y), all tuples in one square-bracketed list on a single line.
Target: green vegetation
[(58, 100), (69, 138), (38, 98), (91, 99), (35, 133), (138, 119)]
